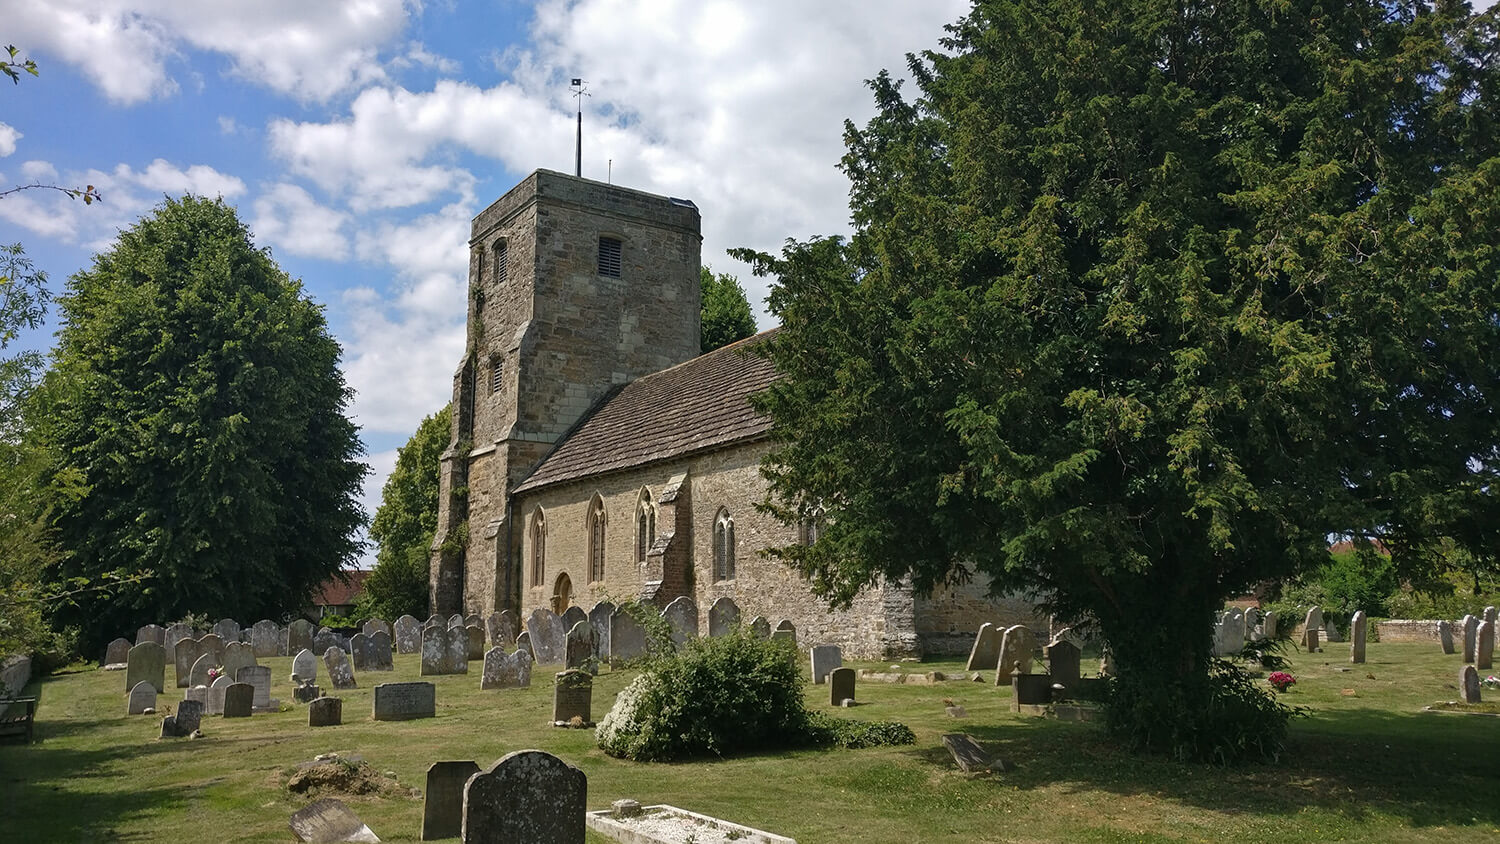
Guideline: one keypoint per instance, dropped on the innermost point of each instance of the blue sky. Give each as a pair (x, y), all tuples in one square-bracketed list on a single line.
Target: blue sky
[(358, 137)]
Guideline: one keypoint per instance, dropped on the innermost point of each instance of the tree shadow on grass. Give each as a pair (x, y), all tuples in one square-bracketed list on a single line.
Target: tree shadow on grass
[(1431, 769), (48, 795)]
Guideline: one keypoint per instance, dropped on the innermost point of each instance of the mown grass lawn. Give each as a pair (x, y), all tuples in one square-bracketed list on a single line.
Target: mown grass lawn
[(1367, 765)]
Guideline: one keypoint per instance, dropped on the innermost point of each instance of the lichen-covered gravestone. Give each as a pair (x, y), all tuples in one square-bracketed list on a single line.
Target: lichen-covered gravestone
[(548, 636), (583, 643), (599, 617), (329, 821), (151, 633), (682, 616), (572, 697), (176, 632), (823, 659), (146, 662), (1484, 646), (1445, 636), (572, 615), (528, 795), (1471, 636), (326, 639), (117, 652), (142, 697), (408, 635), (359, 651), (445, 650), (511, 623), (265, 638), (1016, 649), (506, 671), (443, 802), (379, 657), (723, 615), (1468, 683), (340, 672), (985, 653), (375, 625), (498, 633), (237, 655), (184, 656), (299, 636), (227, 629), (259, 678), (627, 639)]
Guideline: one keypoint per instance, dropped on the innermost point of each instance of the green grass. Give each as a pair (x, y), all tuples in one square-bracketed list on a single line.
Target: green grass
[(1366, 766)]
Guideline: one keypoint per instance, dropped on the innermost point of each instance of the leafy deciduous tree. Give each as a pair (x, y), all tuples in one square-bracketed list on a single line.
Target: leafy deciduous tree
[(726, 311), (405, 523)]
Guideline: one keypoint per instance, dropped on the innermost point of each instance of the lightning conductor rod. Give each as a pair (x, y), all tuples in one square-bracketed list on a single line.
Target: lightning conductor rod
[(579, 92)]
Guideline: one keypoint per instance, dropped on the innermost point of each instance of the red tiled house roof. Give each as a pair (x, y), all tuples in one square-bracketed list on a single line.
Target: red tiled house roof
[(339, 592)]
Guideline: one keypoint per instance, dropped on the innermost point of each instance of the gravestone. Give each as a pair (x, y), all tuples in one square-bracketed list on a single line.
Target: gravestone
[(582, 644), (723, 615), (188, 718), (1331, 630), (184, 655), (1234, 633), (1489, 615), (305, 665), (1064, 663), (528, 795), (1468, 684), (326, 639), (1252, 619), (549, 638), (237, 655), (840, 686), (682, 616), (599, 618), (375, 625), (627, 639), (506, 671), (281, 642), (227, 629), (823, 659), (198, 694), (1268, 626), (176, 632), (359, 651), (329, 821), (499, 634), (142, 696), (572, 615), (380, 658), (1310, 639), (523, 643), (340, 672), (152, 633), (239, 700), (445, 650), (760, 628), (473, 619), (259, 679), (198, 676), (572, 697), (306, 691), (216, 694), (1484, 646), (435, 619), (117, 652), (511, 623), (786, 631), (1030, 690), (455, 620), (985, 653), (1017, 646), (443, 803), (325, 712), (213, 645), (299, 636), (408, 635), (1357, 637), (1445, 635), (1471, 636), (265, 638), (405, 701), (146, 662), (474, 642), (971, 758), (1312, 626)]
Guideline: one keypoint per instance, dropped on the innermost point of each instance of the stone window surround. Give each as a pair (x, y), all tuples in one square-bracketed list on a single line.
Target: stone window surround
[(595, 523), (611, 255), (645, 529), (538, 547), (724, 541)]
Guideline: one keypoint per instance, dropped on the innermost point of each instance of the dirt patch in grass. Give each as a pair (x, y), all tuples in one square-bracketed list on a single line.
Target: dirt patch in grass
[(344, 777)]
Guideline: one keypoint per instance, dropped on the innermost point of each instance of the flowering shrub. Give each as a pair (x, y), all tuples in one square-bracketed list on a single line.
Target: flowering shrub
[(1281, 680)]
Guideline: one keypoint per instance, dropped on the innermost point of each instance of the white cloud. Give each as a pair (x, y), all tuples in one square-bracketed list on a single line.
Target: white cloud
[(287, 216), (8, 138), (310, 50), (227, 125), (418, 56)]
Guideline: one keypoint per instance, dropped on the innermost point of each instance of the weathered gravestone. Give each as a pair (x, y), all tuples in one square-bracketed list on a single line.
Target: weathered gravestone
[(455, 620), (216, 694), (281, 643), (325, 712), (572, 697), (473, 619), (1064, 663), (474, 642), (237, 655), (340, 672), (523, 643), (443, 803), (1489, 615), (1468, 683), (189, 718), (786, 631), (506, 671), (435, 619), (259, 679), (329, 821), (548, 636), (1312, 627), (445, 650), (511, 623), (142, 698), (498, 633), (823, 659), (600, 617), (305, 665), (214, 645), (184, 656), (380, 645), (299, 636), (265, 638), (176, 632), (1357, 637), (1484, 646), (360, 652), (408, 635), (1017, 646), (405, 701), (627, 639), (1445, 635), (239, 700), (723, 615), (572, 615), (760, 627), (840, 686), (582, 644), (227, 629), (529, 796), (198, 675), (682, 616), (1030, 691), (326, 639), (971, 758), (1471, 636), (152, 633), (117, 652), (1268, 626), (1332, 631), (375, 625), (146, 662), (985, 654), (198, 694)]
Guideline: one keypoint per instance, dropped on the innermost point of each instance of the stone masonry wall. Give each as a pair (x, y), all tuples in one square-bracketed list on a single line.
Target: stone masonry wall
[(948, 619)]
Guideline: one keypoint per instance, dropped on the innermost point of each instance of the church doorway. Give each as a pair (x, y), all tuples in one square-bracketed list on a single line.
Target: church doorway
[(562, 594)]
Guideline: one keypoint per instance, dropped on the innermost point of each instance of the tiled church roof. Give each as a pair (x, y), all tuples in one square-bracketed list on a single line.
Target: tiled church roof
[(702, 403)]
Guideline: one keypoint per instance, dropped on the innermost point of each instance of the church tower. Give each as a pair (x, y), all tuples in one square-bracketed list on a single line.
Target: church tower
[(575, 287)]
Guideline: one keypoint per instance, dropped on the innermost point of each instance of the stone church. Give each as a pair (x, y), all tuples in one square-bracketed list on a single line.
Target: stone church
[(596, 454)]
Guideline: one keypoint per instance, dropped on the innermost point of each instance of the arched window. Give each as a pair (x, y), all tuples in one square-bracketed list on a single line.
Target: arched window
[(811, 526), (596, 539), (562, 594), (538, 546), (645, 525), (723, 546), (502, 261)]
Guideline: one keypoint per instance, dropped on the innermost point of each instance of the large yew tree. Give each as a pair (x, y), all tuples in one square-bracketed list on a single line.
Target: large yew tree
[(1147, 299), (197, 392)]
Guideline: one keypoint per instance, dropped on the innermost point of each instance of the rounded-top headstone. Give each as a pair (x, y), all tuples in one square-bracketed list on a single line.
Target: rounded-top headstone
[(529, 795)]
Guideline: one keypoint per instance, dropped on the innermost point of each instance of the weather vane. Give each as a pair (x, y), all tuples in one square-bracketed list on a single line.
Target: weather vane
[(580, 90)]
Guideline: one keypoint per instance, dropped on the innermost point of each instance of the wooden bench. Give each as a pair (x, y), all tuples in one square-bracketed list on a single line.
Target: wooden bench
[(17, 716)]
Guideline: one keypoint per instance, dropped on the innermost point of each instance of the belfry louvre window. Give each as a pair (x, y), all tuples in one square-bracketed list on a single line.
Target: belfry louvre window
[(501, 262), (497, 370), (610, 250)]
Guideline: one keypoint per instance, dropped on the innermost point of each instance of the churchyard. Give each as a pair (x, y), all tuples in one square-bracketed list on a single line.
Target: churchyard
[(1366, 764)]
